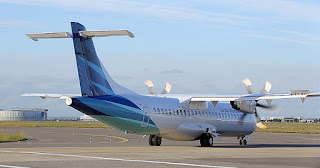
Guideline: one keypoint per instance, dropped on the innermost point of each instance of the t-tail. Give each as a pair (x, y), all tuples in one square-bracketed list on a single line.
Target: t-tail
[(94, 79)]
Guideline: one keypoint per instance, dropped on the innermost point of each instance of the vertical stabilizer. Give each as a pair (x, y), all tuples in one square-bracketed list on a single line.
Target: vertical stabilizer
[(94, 79)]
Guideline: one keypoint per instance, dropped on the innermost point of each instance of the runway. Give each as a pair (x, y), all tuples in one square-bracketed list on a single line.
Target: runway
[(68, 147)]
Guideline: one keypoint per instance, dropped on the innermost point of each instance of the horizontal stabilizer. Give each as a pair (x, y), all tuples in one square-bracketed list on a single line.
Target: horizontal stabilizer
[(45, 95), (85, 34), (36, 36), (88, 34)]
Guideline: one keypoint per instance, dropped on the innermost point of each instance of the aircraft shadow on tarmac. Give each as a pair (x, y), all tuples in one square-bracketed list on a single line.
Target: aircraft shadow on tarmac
[(270, 146)]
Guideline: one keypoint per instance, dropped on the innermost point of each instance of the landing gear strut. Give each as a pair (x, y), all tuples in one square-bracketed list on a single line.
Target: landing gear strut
[(242, 140), (206, 140), (154, 140)]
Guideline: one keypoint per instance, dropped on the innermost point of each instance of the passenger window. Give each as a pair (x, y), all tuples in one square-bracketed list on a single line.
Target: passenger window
[(158, 110)]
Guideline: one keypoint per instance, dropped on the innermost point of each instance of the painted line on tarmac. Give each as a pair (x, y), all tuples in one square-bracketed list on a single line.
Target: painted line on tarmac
[(309, 138), (12, 166), (125, 160), (96, 135)]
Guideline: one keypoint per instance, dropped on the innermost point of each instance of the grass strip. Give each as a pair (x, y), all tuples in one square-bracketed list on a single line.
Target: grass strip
[(303, 128), (67, 124), (11, 136)]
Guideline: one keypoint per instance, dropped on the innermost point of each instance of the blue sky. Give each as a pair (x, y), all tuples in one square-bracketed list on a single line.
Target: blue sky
[(198, 46)]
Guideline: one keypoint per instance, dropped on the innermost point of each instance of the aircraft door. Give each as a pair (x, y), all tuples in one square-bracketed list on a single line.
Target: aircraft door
[(145, 118)]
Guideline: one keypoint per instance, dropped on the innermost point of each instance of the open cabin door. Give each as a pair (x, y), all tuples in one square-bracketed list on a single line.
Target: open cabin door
[(145, 118)]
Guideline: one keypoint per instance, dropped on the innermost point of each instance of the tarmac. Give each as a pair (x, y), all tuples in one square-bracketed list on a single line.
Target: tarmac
[(71, 147)]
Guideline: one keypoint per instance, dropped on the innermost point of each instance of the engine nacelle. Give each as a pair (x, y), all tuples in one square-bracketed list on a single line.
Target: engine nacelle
[(245, 106)]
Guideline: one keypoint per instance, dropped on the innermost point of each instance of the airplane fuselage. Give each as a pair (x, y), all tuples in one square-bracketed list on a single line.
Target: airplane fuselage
[(164, 116)]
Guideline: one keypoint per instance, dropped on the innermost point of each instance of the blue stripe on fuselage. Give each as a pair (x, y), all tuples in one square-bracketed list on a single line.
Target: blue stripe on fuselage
[(117, 99), (109, 105)]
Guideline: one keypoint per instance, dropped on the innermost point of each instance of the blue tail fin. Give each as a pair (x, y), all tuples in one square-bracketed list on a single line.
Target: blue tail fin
[(94, 79)]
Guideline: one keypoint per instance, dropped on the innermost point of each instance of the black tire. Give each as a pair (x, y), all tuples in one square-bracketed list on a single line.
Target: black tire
[(202, 141), (244, 142), (157, 141), (206, 140), (209, 141), (240, 142), (151, 140)]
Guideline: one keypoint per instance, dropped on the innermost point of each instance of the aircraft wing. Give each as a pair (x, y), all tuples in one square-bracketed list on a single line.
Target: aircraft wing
[(302, 94), (45, 95)]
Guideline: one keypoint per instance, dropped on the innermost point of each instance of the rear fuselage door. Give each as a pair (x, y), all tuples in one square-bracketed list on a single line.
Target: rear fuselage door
[(145, 118)]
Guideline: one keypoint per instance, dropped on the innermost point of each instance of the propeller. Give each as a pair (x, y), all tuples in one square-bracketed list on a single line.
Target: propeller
[(167, 88), (248, 84), (150, 86), (265, 90)]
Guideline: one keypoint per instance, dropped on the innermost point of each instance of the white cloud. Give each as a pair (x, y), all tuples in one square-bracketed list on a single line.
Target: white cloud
[(19, 23), (277, 38), (281, 9), (143, 8)]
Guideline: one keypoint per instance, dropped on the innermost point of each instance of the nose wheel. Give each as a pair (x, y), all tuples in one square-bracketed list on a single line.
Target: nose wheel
[(155, 140), (242, 140)]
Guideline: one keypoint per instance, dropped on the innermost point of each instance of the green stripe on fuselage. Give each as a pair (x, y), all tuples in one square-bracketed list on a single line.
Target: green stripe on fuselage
[(129, 125)]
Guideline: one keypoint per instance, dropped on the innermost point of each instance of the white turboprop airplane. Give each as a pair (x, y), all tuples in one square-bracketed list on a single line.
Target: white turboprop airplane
[(176, 117)]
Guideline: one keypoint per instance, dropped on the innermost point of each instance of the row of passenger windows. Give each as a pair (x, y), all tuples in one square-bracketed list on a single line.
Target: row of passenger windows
[(199, 113)]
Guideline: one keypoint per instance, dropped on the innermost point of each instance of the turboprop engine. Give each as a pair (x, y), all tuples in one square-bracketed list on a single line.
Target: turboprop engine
[(248, 106)]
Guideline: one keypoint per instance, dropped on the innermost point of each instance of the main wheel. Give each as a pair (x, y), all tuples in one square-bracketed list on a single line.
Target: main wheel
[(202, 143), (244, 142), (240, 141), (206, 140), (209, 140), (157, 141), (152, 140)]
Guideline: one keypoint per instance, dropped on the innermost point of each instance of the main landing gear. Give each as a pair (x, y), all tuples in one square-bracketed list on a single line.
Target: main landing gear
[(154, 140), (206, 140), (242, 140)]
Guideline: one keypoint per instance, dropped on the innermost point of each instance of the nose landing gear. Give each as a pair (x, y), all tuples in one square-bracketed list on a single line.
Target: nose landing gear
[(242, 140), (154, 140)]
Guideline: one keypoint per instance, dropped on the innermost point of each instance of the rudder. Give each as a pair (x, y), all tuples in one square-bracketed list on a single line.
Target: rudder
[(93, 81)]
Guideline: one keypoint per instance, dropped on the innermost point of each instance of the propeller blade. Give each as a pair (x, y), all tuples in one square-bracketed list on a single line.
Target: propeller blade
[(150, 86), (260, 125), (258, 122), (167, 88), (270, 107), (267, 87), (248, 84)]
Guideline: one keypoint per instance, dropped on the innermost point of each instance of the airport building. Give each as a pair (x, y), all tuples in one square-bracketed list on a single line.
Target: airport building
[(23, 114), (87, 118)]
